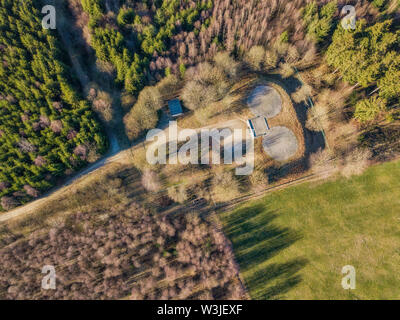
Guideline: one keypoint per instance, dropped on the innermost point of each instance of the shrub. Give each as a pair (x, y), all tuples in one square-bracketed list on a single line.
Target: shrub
[(178, 193), (151, 181), (271, 59), (209, 84), (259, 178), (143, 115), (356, 162), (228, 64), (302, 94), (322, 161), (225, 186), (286, 70), (369, 109), (255, 57)]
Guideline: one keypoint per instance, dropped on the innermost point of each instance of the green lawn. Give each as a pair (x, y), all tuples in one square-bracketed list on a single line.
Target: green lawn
[(293, 243)]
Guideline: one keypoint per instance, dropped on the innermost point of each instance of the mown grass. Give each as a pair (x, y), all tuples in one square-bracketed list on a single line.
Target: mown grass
[(292, 244)]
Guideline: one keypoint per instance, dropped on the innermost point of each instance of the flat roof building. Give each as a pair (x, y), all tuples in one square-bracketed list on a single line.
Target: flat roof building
[(175, 108), (259, 126)]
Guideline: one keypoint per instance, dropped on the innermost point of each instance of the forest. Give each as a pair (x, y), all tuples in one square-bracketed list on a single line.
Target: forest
[(47, 130), (117, 245), (140, 31), (370, 57), (150, 232), (134, 254), (146, 41)]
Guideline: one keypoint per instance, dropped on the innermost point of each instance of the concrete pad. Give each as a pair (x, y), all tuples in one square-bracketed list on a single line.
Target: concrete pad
[(280, 143), (265, 101)]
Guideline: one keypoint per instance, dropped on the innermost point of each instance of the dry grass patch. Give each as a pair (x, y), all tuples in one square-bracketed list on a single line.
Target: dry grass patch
[(356, 162), (106, 189)]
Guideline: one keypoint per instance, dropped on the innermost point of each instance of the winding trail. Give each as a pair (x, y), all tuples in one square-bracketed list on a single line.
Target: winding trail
[(114, 155), (122, 156), (36, 204), (82, 76)]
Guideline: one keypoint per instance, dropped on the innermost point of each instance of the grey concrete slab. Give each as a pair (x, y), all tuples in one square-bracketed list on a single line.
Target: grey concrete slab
[(265, 101), (280, 143)]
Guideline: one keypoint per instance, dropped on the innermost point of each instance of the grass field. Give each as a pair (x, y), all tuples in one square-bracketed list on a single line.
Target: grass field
[(292, 244)]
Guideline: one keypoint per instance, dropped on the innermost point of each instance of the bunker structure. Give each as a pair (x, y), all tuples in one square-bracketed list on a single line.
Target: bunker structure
[(258, 126)]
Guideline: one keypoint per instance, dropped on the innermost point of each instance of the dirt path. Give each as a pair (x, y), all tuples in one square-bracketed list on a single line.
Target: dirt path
[(114, 155), (80, 73), (82, 76), (34, 205), (126, 154)]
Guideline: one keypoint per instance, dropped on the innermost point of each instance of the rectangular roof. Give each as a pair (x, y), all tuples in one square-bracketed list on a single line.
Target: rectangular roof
[(175, 107), (259, 126)]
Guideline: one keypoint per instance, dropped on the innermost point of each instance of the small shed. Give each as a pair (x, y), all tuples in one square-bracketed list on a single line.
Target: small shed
[(175, 108), (259, 126)]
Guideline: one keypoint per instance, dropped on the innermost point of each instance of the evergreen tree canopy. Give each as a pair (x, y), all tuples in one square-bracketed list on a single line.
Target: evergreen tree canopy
[(43, 120)]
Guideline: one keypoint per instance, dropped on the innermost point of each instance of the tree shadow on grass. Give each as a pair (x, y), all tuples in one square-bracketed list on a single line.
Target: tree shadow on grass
[(256, 240), (276, 280)]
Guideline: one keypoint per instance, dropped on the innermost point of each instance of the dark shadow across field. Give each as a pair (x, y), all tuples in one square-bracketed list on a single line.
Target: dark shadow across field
[(256, 240)]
